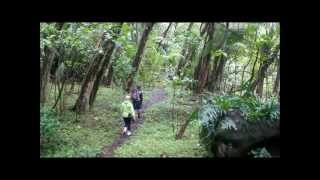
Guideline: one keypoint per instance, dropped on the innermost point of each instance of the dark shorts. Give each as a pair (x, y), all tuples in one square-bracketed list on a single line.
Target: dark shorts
[(137, 105), (127, 122)]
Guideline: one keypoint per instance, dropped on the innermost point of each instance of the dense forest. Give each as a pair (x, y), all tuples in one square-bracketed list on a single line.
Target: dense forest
[(210, 89)]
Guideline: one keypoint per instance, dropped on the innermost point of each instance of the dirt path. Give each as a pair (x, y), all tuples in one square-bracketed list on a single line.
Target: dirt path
[(156, 96)]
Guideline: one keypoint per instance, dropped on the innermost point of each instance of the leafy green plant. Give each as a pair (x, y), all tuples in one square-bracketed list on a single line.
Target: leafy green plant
[(253, 108), (48, 125), (260, 153)]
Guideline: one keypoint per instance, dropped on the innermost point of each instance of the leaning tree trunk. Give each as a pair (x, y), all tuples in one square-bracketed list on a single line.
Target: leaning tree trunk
[(110, 69), (109, 50), (82, 103), (164, 35), (138, 56), (109, 46)]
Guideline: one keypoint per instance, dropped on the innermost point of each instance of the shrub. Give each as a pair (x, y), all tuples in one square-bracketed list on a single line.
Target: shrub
[(48, 124)]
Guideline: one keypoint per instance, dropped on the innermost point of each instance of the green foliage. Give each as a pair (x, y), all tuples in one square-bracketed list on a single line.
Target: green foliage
[(260, 153), (89, 133), (212, 114), (219, 52), (48, 124), (253, 108), (209, 116), (76, 43)]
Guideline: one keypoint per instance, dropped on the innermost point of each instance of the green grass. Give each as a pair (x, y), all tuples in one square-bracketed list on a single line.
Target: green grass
[(156, 137), (86, 135)]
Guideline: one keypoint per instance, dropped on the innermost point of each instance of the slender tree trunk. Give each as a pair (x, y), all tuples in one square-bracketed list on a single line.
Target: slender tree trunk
[(108, 47), (46, 68), (216, 74), (82, 103), (138, 57), (182, 129), (266, 88), (109, 50), (262, 71), (45, 73), (175, 29), (109, 75), (253, 84), (110, 69), (251, 55), (183, 60), (164, 35), (277, 81)]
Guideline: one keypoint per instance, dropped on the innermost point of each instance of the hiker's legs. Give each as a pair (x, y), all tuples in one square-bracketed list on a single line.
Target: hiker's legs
[(140, 113), (126, 124), (139, 109)]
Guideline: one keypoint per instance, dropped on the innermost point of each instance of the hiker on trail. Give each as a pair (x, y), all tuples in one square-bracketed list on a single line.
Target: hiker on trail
[(136, 97), (128, 114)]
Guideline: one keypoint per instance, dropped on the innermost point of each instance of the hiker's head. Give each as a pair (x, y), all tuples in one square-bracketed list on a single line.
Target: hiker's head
[(139, 87), (127, 97)]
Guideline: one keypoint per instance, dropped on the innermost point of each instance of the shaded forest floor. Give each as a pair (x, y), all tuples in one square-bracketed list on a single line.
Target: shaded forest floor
[(87, 135)]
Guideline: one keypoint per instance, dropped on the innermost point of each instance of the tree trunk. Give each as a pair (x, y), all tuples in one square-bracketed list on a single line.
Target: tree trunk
[(164, 35), (45, 73), (108, 52), (109, 75), (82, 103), (183, 129), (202, 69), (217, 71), (253, 84), (59, 26), (138, 56), (262, 71), (183, 60), (277, 81), (175, 29), (266, 87), (251, 55), (45, 70), (110, 68)]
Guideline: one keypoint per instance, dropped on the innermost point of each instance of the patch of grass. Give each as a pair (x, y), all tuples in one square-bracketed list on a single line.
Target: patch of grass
[(86, 136), (155, 137), (79, 141), (92, 131)]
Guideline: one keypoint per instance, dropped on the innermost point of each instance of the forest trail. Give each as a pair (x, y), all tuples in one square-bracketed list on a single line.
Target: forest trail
[(157, 95)]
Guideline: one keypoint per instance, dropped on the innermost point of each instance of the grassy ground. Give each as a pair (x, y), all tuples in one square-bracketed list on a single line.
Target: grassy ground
[(155, 137), (86, 135)]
